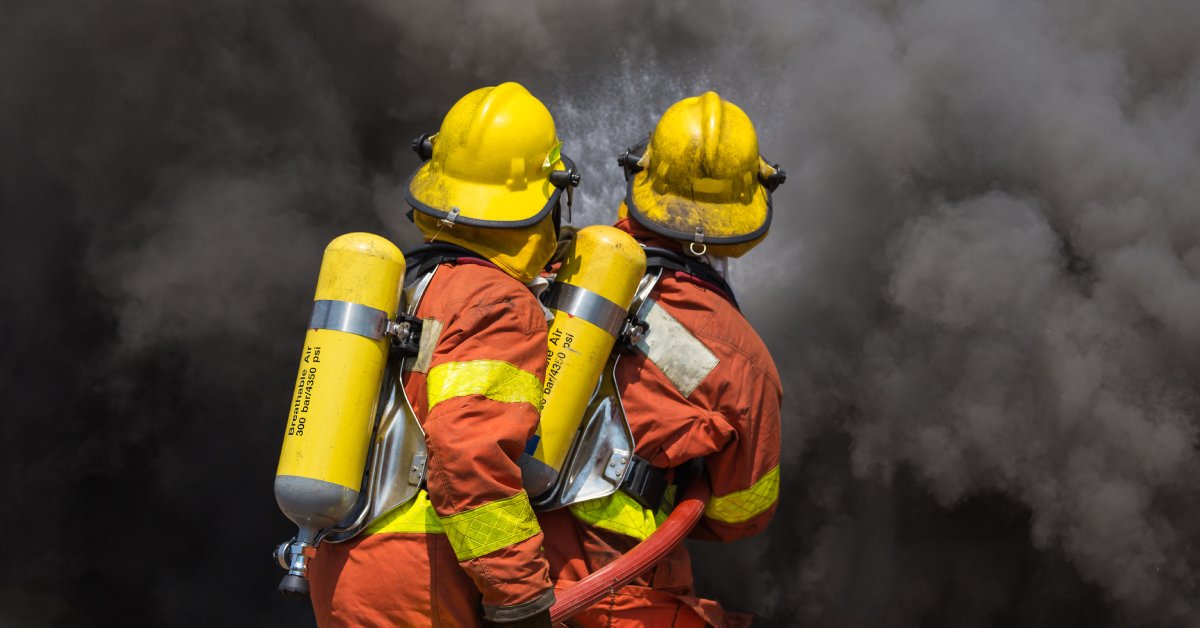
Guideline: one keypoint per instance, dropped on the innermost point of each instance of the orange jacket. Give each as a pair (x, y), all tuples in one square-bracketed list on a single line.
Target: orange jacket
[(720, 402), (476, 390)]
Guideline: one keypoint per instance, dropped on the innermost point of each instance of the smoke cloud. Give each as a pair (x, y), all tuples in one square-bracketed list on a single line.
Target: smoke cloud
[(981, 285)]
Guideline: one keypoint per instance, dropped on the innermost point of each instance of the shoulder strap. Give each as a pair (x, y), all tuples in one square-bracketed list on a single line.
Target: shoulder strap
[(422, 263), (645, 287), (424, 259), (664, 258)]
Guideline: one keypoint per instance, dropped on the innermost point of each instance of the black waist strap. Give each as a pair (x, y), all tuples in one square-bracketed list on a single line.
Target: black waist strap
[(644, 483)]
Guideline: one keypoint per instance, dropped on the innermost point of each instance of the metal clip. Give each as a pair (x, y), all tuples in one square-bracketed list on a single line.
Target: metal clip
[(450, 219), (405, 332), (634, 330), (698, 239)]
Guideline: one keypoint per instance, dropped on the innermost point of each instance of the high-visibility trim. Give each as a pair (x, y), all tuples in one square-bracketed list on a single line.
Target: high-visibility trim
[(620, 513), (414, 516), (494, 379), (745, 504), (490, 527)]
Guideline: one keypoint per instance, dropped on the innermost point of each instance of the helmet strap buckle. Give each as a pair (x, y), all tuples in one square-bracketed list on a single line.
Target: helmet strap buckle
[(631, 160), (422, 145), (566, 180), (771, 176)]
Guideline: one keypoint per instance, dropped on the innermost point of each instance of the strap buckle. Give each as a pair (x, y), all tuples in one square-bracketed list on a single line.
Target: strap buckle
[(644, 483)]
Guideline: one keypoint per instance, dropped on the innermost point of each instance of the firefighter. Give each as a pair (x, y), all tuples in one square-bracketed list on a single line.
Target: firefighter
[(699, 385), (467, 549)]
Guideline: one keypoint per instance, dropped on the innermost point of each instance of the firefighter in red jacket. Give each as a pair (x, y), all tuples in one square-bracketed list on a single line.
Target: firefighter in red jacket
[(468, 544), (700, 384)]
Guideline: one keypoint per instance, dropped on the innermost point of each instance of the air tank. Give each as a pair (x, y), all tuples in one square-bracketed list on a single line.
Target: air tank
[(590, 299), (328, 428)]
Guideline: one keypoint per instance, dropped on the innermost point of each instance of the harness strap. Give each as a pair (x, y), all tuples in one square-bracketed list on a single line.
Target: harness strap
[(665, 258), (424, 259), (645, 483), (423, 262)]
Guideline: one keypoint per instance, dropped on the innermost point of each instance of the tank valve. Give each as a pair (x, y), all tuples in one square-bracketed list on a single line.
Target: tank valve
[(294, 556)]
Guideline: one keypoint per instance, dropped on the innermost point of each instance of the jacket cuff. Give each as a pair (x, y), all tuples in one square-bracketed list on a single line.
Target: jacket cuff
[(517, 612)]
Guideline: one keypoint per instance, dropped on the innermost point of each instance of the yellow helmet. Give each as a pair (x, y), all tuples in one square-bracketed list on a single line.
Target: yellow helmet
[(496, 162), (699, 178)]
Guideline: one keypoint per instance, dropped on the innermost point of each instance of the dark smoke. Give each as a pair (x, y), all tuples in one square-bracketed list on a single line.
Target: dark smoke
[(981, 285)]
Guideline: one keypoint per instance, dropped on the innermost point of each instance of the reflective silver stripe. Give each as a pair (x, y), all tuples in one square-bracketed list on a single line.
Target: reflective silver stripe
[(431, 328), (682, 357), (585, 304), (349, 317)]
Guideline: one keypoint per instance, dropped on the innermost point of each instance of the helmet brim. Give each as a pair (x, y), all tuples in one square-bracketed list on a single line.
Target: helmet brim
[(481, 204), (678, 218)]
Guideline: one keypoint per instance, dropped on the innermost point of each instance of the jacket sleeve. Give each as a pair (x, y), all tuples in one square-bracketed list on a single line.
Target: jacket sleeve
[(744, 474), (484, 388)]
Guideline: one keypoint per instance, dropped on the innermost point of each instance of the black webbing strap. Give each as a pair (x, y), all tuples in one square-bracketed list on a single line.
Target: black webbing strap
[(665, 258), (646, 484), (424, 259)]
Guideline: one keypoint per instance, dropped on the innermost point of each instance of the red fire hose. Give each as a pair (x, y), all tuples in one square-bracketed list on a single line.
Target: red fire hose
[(616, 574)]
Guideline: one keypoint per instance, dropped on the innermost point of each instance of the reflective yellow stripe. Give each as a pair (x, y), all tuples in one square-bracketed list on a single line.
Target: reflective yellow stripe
[(494, 379), (745, 504), (488, 528), (622, 514), (414, 516)]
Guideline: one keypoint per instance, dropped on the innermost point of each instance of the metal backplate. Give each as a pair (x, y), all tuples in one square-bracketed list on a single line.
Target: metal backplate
[(604, 437), (399, 464)]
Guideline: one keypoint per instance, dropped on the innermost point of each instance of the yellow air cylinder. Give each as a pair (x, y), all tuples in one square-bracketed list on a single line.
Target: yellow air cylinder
[(590, 299), (328, 429)]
